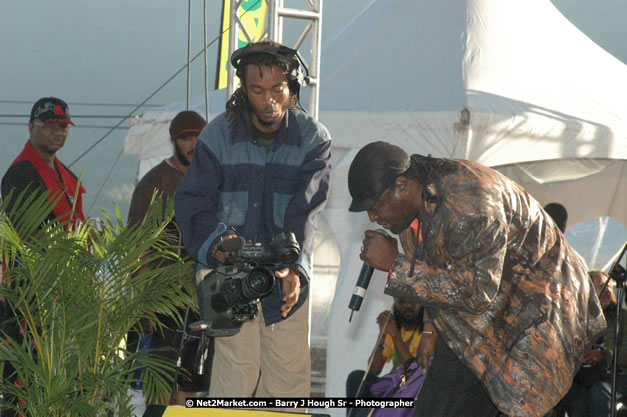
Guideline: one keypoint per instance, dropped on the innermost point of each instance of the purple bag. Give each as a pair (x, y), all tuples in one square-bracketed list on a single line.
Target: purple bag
[(403, 382)]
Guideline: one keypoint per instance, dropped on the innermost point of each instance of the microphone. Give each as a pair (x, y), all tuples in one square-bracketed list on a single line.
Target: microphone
[(360, 289), (362, 284)]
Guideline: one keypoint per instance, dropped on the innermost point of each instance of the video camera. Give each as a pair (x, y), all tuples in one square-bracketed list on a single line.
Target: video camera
[(228, 295)]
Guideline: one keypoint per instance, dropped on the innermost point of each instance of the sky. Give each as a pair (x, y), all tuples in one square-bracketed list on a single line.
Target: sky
[(105, 57), (111, 52)]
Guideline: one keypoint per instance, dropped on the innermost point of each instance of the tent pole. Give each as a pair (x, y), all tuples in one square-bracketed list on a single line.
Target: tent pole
[(189, 44), (206, 63)]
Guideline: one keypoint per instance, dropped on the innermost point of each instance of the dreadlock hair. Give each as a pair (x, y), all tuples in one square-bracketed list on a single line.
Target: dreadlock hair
[(238, 101), (423, 168), (420, 168)]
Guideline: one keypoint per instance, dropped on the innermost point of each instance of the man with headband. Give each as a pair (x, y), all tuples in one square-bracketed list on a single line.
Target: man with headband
[(514, 309)]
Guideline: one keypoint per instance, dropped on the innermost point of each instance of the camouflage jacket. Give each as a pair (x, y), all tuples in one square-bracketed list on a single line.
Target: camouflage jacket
[(502, 286)]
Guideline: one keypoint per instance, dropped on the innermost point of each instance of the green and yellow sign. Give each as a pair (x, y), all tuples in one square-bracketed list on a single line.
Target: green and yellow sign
[(252, 13)]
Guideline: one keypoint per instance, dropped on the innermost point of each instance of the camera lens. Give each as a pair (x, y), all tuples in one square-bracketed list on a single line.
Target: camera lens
[(260, 282)]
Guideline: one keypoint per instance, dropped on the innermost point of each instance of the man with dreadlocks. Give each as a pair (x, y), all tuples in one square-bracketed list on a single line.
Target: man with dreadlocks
[(514, 309), (400, 332), (261, 168)]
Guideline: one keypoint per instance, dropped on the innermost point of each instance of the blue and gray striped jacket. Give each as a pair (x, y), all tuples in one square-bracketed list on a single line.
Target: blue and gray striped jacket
[(234, 183)]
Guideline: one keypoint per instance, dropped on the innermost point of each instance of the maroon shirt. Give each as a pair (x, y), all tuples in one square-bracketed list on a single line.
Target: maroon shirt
[(163, 178)]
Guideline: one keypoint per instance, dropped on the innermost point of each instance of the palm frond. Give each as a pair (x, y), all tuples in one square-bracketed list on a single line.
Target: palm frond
[(78, 292)]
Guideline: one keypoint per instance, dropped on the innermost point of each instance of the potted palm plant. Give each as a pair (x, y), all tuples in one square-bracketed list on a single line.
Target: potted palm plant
[(76, 293)]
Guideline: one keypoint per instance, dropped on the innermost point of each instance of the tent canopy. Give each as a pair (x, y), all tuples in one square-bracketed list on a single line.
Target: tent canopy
[(513, 85), (529, 79)]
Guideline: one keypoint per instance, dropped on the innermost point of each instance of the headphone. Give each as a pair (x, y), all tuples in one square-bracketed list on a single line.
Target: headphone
[(296, 77)]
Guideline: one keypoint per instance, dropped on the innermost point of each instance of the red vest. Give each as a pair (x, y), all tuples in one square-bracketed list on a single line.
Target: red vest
[(62, 188)]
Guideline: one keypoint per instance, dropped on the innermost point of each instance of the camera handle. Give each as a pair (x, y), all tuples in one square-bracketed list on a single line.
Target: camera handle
[(179, 358), (201, 353)]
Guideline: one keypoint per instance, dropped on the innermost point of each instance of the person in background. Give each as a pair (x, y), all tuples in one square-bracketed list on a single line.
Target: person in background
[(559, 215), (595, 367), (400, 332), (599, 396), (37, 168), (165, 178)]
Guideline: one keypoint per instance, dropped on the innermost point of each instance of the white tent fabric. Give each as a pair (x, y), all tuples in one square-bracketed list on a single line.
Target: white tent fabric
[(149, 135), (534, 87), (510, 84), (518, 66)]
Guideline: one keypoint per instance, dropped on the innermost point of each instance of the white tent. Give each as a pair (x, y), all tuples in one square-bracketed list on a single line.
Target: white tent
[(535, 88), (510, 84)]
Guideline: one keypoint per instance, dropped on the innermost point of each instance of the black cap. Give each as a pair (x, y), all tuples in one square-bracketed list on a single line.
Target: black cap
[(374, 169), (51, 110)]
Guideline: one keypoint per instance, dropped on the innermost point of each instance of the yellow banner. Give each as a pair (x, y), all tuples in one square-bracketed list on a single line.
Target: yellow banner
[(252, 13)]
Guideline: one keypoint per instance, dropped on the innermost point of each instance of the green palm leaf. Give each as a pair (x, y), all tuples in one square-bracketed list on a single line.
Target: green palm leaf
[(78, 293)]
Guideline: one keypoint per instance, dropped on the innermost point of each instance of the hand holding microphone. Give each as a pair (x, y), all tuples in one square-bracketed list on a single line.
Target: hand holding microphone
[(377, 251)]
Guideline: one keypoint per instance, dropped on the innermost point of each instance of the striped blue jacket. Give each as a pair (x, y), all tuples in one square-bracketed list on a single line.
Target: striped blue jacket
[(235, 183)]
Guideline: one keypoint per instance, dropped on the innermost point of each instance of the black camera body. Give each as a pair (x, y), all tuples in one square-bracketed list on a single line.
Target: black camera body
[(228, 295)]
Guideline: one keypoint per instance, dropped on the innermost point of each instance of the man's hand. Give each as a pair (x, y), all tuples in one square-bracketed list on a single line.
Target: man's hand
[(379, 250), (220, 255), (386, 323), (291, 288), (426, 347)]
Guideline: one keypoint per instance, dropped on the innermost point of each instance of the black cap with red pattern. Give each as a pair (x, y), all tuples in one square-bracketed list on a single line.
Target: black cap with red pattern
[(186, 123), (51, 110)]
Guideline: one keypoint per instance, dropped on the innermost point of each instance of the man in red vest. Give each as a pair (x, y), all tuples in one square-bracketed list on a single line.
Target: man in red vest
[(37, 168)]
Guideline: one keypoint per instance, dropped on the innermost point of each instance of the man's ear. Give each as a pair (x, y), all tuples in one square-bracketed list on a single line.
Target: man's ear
[(407, 188), (401, 183)]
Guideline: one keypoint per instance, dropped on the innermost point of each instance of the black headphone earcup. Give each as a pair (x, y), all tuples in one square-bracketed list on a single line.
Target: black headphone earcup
[(294, 87)]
